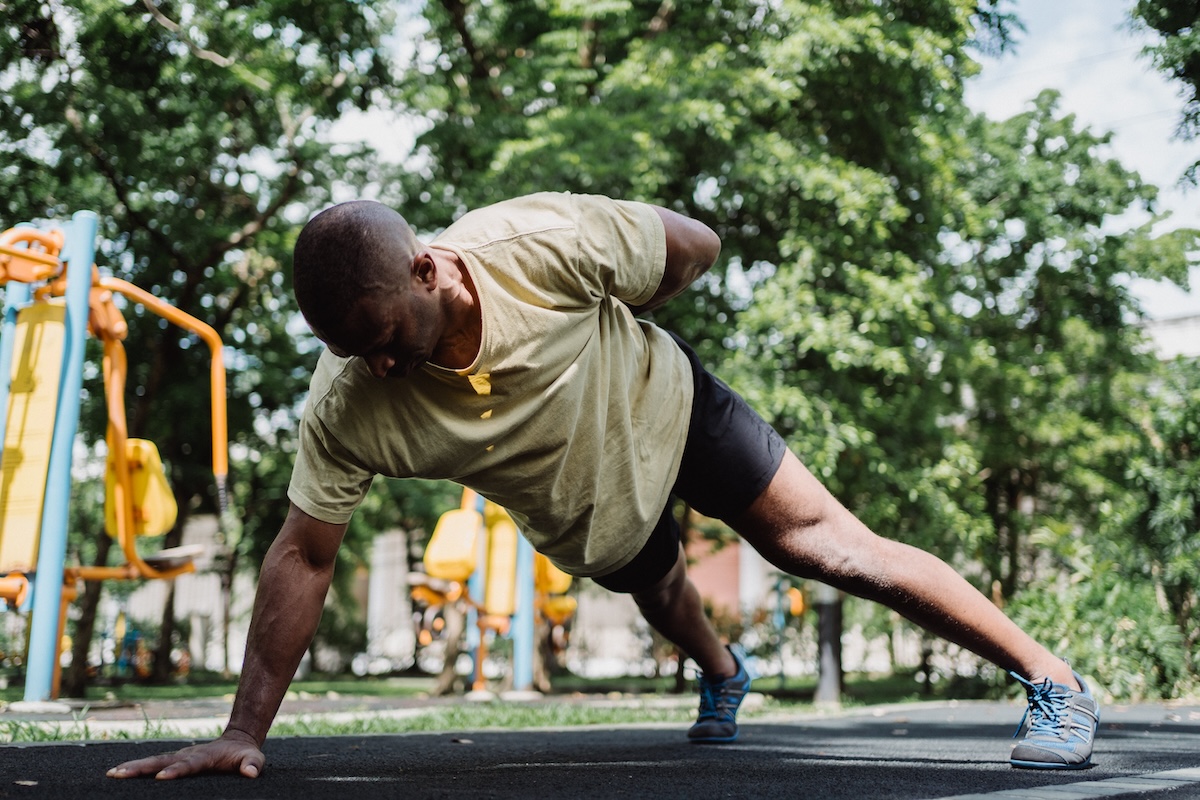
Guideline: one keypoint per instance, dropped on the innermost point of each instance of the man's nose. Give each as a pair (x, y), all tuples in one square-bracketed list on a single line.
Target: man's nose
[(380, 364)]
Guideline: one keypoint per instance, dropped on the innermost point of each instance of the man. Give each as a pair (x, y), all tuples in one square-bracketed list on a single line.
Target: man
[(506, 356)]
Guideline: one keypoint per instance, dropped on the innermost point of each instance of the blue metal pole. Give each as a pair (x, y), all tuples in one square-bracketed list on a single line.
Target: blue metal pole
[(522, 625), (79, 253), (475, 589)]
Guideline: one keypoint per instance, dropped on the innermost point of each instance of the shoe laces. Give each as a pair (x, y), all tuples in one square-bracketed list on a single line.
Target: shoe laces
[(715, 702), (1047, 707)]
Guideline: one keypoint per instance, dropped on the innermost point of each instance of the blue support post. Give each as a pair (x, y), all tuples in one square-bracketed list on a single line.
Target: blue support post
[(79, 253), (475, 588), (522, 624)]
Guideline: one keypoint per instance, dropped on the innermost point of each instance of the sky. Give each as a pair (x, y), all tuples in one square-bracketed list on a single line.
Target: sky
[(1087, 50)]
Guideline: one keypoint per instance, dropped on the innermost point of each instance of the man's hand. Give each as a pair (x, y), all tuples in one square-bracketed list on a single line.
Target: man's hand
[(233, 752)]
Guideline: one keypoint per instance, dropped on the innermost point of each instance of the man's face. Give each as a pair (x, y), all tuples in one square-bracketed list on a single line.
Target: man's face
[(393, 332)]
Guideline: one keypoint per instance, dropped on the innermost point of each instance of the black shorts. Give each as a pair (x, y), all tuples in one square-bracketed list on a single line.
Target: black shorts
[(730, 456)]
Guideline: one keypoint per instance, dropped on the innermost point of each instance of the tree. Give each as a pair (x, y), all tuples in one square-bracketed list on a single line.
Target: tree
[(1166, 519), (197, 131), (1049, 320), (1178, 55), (814, 137), (1057, 367)]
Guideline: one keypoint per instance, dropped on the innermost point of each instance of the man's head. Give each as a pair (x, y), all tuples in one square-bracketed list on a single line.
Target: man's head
[(357, 271), (345, 252)]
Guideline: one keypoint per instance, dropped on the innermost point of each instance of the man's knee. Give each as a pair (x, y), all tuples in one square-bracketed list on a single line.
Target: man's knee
[(666, 592)]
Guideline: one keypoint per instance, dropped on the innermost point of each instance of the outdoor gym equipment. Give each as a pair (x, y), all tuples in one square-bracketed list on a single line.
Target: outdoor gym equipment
[(477, 555), (53, 297)]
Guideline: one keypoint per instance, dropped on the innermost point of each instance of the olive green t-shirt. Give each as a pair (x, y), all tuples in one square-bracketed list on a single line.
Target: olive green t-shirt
[(573, 415)]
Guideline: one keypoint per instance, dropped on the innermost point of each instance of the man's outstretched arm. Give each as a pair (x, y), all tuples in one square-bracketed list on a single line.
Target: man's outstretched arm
[(291, 594), (692, 249)]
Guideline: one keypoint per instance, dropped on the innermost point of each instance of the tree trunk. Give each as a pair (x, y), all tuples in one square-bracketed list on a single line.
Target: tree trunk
[(545, 658), (75, 681), (456, 625), (162, 656), (230, 568), (829, 645)]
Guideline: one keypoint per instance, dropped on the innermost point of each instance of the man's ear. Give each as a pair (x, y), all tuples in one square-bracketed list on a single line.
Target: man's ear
[(424, 269)]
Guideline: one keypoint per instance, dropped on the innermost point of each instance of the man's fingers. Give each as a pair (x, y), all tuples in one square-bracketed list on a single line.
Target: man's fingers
[(179, 768), (142, 766), (218, 756)]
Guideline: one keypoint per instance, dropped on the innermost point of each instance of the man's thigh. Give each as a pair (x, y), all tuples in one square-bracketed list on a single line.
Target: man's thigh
[(731, 454)]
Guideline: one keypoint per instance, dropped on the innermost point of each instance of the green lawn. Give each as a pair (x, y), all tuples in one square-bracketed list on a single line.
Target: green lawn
[(575, 701), (859, 689)]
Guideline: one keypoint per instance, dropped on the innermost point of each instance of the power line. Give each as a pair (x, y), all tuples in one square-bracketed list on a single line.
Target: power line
[(993, 75)]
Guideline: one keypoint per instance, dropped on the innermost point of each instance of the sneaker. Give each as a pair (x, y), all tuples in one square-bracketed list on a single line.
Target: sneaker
[(1062, 725), (719, 701)]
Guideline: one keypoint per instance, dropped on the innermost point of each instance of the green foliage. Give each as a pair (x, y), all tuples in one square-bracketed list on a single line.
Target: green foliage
[(198, 132), (1050, 342), (191, 128), (1165, 525), (1111, 629), (1178, 55), (930, 306)]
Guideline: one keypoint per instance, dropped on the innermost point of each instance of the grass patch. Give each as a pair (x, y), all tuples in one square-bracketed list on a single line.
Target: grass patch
[(489, 716), (207, 685), (79, 729)]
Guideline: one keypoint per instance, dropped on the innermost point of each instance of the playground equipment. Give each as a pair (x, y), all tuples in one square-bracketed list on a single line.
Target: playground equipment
[(53, 298), (477, 555)]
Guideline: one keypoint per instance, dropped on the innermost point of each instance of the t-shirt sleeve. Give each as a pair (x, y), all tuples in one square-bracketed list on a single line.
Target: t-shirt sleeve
[(326, 483), (622, 246)]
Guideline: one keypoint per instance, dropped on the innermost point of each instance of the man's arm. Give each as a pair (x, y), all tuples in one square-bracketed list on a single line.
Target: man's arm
[(692, 249), (291, 593)]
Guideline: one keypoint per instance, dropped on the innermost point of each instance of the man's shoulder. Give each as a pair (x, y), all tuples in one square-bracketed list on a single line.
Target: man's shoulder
[(531, 214), (339, 386), (509, 219), (326, 374)]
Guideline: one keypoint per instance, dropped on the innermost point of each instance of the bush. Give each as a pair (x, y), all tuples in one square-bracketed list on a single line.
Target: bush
[(1111, 629)]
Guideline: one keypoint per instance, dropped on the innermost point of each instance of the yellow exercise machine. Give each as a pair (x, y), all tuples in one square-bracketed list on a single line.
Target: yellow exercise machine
[(54, 297), (475, 555)]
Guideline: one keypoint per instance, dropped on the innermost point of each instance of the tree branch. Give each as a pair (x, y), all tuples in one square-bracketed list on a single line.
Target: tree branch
[(211, 56), (661, 20), (479, 69), (76, 122)]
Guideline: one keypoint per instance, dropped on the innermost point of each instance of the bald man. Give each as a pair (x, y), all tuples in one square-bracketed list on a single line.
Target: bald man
[(507, 355)]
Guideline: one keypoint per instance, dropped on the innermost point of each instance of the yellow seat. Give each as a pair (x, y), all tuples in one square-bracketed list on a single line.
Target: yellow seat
[(452, 551), (558, 609), (500, 591), (548, 578), (154, 508)]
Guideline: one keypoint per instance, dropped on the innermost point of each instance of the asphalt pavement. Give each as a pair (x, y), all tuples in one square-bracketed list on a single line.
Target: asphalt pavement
[(908, 752)]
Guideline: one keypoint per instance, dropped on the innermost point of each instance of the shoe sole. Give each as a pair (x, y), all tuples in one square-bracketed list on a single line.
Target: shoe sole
[(1048, 765), (714, 740)]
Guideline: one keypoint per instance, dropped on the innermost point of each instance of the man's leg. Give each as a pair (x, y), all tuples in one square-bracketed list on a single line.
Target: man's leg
[(801, 528), (673, 608)]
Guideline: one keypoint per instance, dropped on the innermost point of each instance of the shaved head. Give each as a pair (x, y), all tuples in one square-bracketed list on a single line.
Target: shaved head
[(347, 251)]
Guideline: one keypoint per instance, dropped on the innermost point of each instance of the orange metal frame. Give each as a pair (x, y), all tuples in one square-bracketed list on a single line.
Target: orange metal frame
[(107, 324)]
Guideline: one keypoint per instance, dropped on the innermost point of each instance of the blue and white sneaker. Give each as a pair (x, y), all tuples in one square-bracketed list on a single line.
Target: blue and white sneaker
[(719, 702), (1061, 726)]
